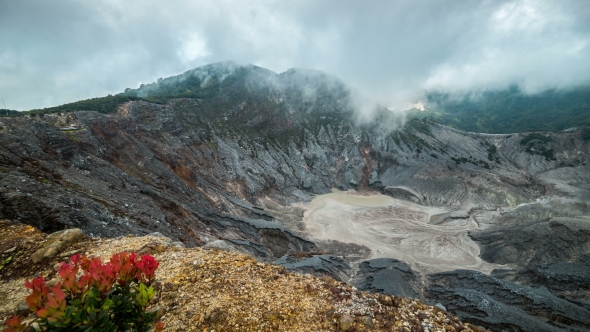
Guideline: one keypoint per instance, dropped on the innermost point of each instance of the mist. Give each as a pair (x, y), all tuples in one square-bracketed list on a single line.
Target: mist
[(390, 51)]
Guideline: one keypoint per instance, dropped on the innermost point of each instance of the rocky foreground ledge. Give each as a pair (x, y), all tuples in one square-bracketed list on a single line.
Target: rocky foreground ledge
[(215, 290)]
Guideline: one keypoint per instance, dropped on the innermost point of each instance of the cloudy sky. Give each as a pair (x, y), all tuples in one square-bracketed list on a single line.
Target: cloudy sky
[(59, 51)]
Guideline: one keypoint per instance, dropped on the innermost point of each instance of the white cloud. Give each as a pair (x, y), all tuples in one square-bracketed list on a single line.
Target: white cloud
[(524, 16), (65, 50), (532, 43), (192, 48)]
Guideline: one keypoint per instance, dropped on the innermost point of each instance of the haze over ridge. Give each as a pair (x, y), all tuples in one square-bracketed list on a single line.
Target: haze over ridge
[(63, 51)]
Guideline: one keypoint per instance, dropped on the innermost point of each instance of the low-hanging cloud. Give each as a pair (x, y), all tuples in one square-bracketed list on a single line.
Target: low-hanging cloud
[(53, 52)]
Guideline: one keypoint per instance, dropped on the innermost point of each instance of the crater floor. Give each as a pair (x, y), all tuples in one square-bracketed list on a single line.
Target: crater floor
[(394, 228)]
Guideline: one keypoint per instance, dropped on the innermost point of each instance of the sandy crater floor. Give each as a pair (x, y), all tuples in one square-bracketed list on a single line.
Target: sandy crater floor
[(394, 228)]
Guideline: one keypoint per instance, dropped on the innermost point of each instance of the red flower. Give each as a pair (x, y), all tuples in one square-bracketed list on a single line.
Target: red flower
[(124, 266), (147, 266), (14, 324), (121, 270), (39, 295), (55, 306), (68, 273)]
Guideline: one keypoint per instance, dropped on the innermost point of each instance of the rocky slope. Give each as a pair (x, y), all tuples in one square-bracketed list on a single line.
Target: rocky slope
[(227, 150), (215, 290)]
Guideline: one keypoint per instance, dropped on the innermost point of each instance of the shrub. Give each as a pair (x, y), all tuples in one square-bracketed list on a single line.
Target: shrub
[(535, 136), (94, 296)]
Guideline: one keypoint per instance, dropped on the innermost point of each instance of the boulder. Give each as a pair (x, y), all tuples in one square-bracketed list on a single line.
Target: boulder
[(220, 244), (317, 265), (388, 276), (22, 308), (345, 323), (57, 242), (158, 243)]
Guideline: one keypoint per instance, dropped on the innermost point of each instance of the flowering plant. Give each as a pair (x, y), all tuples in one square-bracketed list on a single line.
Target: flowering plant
[(94, 296)]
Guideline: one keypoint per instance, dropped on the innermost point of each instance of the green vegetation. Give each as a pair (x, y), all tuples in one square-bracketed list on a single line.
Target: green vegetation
[(548, 154), (409, 137), (492, 150), (538, 144), (70, 135), (5, 112), (420, 125), (110, 296), (9, 260), (511, 111), (493, 153), (476, 162), (106, 104), (535, 137), (245, 102), (459, 160), (413, 142)]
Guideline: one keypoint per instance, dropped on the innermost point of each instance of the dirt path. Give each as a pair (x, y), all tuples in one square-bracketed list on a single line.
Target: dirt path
[(395, 228)]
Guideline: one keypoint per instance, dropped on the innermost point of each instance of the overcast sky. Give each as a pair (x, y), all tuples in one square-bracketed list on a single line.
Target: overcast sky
[(59, 51)]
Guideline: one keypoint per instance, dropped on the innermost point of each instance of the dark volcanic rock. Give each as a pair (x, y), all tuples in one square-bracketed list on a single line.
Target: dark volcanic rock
[(176, 168), (387, 276), (248, 143), (535, 243), (111, 178), (569, 279), (317, 265), (349, 251), (502, 305), (402, 193), (254, 249), (477, 308)]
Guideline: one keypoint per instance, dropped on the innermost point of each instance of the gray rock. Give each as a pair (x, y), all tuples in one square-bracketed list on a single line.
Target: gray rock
[(480, 309), (317, 265), (345, 323), (253, 249), (158, 310), (497, 304), (534, 243), (568, 279), (181, 170), (440, 306), (368, 322), (402, 193), (388, 276), (56, 242), (220, 244), (158, 234), (178, 244), (22, 308)]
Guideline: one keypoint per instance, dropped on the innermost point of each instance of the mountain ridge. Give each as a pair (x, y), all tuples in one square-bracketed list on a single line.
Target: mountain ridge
[(490, 111), (180, 168), (511, 110)]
